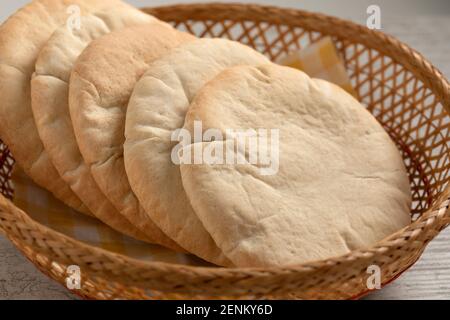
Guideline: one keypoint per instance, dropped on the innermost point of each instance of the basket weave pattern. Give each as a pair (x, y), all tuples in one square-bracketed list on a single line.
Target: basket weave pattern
[(408, 96)]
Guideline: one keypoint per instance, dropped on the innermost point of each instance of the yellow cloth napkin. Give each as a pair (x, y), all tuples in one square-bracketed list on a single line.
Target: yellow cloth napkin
[(320, 60), (42, 207)]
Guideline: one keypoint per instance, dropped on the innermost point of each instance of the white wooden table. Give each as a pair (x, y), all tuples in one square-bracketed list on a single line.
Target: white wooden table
[(428, 279)]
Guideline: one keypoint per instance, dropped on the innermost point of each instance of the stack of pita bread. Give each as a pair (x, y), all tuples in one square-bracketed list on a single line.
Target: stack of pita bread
[(89, 108)]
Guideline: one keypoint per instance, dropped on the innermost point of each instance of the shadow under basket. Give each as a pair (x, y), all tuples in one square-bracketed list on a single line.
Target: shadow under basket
[(408, 96)]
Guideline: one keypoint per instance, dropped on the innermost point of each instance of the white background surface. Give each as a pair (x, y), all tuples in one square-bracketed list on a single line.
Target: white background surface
[(425, 25), (351, 9)]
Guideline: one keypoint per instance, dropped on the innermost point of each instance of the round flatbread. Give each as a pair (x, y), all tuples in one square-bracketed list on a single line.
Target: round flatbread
[(50, 104), (21, 38), (332, 182), (157, 108), (101, 83)]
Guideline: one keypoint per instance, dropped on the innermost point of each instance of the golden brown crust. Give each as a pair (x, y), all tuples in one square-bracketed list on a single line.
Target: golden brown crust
[(101, 84), (21, 38), (157, 108), (50, 106)]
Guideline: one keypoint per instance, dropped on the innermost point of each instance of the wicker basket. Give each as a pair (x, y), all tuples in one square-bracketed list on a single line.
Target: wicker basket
[(409, 97)]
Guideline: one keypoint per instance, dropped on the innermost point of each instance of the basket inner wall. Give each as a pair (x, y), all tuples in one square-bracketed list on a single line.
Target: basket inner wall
[(408, 111)]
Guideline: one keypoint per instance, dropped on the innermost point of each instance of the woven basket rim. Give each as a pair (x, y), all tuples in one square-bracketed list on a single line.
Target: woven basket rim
[(409, 231), (435, 217)]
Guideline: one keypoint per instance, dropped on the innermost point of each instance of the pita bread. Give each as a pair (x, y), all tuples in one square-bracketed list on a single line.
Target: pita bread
[(21, 38), (50, 103), (157, 108), (341, 184), (101, 83)]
